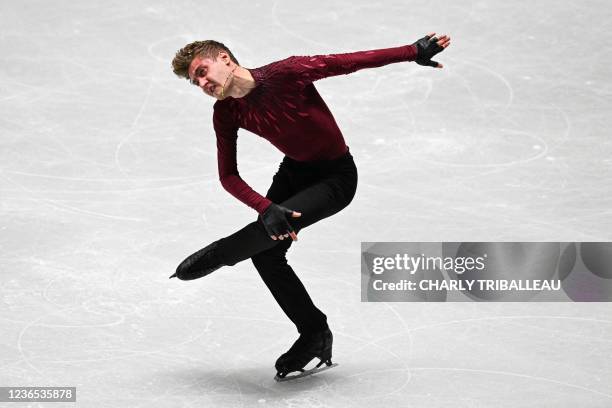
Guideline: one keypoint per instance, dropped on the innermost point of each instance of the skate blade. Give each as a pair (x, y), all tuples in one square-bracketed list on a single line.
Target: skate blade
[(304, 373)]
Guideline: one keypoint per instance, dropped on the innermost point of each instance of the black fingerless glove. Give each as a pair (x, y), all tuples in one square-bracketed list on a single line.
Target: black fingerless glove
[(427, 47), (274, 220)]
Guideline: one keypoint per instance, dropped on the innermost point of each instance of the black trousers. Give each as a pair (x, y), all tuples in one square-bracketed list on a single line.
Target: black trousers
[(316, 189)]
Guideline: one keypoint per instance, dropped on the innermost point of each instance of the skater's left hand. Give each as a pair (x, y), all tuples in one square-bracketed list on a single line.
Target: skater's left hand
[(429, 46), (274, 220)]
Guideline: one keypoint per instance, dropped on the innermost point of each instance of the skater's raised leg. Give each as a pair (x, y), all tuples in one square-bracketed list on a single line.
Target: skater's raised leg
[(314, 196)]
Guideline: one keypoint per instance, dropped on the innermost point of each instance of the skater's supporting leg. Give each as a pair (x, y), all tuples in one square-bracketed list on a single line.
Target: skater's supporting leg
[(272, 266), (288, 290)]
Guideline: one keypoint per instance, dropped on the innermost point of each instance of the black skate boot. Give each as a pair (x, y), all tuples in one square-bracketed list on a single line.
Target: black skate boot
[(202, 263), (307, 347)]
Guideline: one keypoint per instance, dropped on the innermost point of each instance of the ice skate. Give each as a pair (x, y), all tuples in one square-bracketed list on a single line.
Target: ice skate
[(303, 351), (199, 264)]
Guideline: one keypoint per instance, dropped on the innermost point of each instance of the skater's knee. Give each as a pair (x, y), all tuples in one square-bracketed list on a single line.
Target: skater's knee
[(270, 258), (267, 262)]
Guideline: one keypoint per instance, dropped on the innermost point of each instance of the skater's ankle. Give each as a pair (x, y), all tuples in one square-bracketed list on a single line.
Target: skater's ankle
[(313, 331)]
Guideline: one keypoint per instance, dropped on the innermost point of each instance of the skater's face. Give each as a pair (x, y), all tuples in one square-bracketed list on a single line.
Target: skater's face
[(211, 74)]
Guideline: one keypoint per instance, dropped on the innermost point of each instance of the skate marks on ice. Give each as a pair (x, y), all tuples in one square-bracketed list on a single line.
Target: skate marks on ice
[(87, 142)]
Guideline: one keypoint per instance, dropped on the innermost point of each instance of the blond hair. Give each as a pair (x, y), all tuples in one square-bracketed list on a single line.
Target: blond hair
[(205, 49)]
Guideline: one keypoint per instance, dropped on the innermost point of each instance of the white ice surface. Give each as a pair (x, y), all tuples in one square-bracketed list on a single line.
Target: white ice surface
[(108, 179)]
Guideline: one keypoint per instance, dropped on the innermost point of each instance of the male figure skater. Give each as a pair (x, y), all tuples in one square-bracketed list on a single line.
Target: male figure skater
[(317, 177)]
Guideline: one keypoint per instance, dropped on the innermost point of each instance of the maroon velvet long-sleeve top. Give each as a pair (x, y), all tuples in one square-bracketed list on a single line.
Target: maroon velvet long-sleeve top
[(286, 109)]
